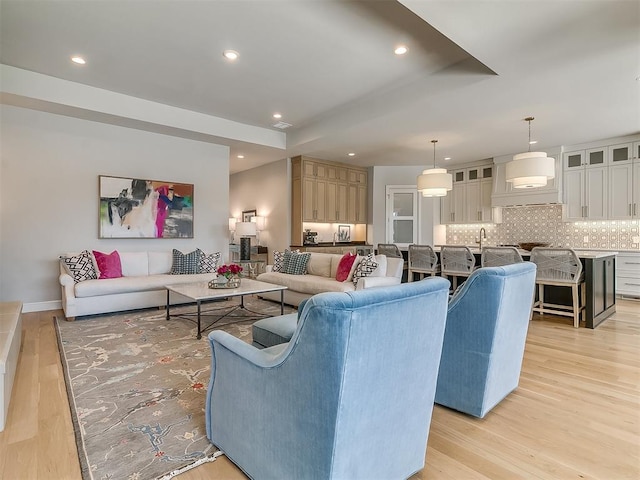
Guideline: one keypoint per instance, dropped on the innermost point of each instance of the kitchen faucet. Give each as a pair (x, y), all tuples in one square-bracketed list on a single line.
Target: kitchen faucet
[(483, 235)]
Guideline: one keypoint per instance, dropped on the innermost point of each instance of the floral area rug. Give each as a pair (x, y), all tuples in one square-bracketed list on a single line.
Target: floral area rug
[(137, 384)]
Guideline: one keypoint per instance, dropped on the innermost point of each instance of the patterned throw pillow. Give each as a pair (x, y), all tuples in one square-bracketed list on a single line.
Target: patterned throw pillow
[(296, 263), (185, 264), (80, 266), (278, 261), (365, 268), (208, 263)]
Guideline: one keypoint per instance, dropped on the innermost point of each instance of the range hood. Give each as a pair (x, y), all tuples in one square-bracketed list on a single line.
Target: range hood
[(504, 195)]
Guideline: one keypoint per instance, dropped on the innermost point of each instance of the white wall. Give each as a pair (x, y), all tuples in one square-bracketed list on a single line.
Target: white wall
[(429, 207), (266, 189), (49, 168)]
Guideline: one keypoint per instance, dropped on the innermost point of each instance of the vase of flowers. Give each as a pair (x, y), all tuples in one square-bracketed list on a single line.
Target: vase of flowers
[(228, 276)]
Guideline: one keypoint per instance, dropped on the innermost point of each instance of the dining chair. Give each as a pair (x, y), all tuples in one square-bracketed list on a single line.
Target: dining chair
[(422, 260), (560, 267), (499, 256), (457, 261)]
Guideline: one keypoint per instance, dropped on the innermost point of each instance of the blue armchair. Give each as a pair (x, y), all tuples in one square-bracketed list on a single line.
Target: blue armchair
[(484, 340), (349, 397)]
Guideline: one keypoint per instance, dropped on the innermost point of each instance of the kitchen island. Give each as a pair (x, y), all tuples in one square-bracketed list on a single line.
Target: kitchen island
[(599, 269)]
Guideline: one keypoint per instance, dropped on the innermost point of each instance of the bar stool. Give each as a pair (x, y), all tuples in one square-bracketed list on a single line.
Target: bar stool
[(559, 267), (389, 249), (422, 260), (457, 261), (499, 256)]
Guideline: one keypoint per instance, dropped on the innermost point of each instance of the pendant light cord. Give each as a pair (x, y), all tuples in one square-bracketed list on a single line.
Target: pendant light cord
[(434, 152)]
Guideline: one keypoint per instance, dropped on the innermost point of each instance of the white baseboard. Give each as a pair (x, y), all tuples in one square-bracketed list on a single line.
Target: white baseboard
[(42, 306)]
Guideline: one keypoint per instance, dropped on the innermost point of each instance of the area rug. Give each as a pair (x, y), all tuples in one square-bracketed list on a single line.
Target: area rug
[(136, 385)]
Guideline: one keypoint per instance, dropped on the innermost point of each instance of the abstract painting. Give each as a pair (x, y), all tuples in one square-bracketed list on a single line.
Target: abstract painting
[(138, 208)]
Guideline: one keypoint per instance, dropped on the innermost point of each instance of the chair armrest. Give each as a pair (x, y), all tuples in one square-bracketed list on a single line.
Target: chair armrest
[(242, 350), (369, 282)]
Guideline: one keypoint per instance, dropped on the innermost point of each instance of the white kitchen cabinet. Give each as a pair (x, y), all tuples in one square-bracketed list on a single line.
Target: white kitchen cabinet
[(470, 199), (586, 194), (624, 181), (585, 184), (628, 274)]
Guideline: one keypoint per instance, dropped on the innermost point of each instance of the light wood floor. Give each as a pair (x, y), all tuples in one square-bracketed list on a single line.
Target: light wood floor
[(576, 413)]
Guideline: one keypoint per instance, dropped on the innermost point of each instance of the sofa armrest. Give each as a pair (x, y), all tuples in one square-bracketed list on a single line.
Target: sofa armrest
[(369, 282), (66, 280)]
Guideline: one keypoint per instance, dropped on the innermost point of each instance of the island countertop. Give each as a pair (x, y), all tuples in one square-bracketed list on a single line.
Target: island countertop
[(526, 253)]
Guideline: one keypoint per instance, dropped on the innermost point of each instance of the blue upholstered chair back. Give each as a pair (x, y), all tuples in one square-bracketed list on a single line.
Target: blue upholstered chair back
[(484, 341), (349, 397)]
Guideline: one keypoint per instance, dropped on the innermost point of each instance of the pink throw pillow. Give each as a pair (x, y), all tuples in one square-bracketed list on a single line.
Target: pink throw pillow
[(108, 264), (344, 267)]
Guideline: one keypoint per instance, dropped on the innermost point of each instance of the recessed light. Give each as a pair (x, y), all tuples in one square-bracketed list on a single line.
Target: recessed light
[(240, 156), (447, 158), (277, 115), (351, 154), (401, 50), (230, 54), (532, 142), (78, 60)]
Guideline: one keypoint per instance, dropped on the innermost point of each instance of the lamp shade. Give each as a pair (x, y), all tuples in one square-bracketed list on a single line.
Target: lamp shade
[(435, 182), (530, 170), (232, 223), (246, 229), (259, 221)]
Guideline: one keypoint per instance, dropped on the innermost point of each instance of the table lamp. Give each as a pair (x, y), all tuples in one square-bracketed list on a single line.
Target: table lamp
[(245, 230)]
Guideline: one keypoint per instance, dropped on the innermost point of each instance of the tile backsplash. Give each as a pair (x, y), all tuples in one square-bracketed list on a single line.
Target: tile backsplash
[(543, 223)]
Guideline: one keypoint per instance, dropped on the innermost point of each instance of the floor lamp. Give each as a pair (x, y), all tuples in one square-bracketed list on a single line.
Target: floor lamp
[(245, 230)]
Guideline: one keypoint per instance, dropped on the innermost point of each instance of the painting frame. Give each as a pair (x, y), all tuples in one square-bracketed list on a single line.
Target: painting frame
[(344, 233), (247, 214), (131, 207)]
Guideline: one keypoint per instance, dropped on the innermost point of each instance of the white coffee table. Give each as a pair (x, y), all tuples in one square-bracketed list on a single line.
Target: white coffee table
[(200, 292)]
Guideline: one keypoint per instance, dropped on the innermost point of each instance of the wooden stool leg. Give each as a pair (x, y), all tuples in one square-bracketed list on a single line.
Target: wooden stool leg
[(541, 298), (410, 279), (576, 305)]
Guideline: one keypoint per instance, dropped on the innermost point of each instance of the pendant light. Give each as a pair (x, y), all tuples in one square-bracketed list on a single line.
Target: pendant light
[(530, 169), (435, 182)]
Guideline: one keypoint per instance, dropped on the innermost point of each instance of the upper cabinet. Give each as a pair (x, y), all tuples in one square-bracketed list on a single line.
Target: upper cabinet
[(602, 182), (326, 192), (624, 181), (470, 199)]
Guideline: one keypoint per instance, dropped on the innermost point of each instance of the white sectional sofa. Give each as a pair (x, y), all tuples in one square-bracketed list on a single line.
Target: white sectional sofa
[(321, 277), (144, 276)]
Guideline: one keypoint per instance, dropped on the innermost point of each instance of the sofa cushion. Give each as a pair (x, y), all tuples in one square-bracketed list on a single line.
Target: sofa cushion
[(345, 266), (185, 263), (320, 264), (80, 266), (109, 264), (160, 262), (308, 284), (365, 268), (134, 264), (94, 288), (296, 263)]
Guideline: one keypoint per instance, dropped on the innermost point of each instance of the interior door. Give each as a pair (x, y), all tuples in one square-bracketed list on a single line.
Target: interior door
[(402, 215)]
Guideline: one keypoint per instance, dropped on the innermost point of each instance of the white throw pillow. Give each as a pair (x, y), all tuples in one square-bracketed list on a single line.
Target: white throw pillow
[(381, 270), (160, 262)]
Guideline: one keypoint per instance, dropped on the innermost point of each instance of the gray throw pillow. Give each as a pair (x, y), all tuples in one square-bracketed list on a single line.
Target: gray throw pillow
[(185, 264)]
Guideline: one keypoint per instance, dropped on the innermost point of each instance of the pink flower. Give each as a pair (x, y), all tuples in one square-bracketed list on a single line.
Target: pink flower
[(197, 386), (229, 270)]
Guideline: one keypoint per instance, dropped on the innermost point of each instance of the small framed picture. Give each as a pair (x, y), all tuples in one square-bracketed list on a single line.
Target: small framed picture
[(247, 214), (344, 233)]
